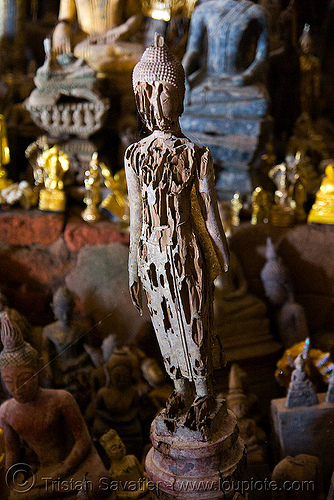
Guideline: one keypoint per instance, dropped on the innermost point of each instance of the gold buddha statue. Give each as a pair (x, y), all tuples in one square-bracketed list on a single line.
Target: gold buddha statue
[(322, 211), (116, 203), (261, 204), (92, 184), (5, 155), (54, 163), (282, 215), (103, 37), (236, 206)]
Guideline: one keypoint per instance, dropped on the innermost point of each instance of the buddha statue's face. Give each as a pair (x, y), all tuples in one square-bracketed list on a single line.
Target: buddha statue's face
[(237, 405), (160, 105), (21, 382), (115, 448), (120, 376), (63, 311)]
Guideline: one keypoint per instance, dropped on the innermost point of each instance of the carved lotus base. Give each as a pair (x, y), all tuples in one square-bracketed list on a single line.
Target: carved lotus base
[(81, 116), (183, 465)]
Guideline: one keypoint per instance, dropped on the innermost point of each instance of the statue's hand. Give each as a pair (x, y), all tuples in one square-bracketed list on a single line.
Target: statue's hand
[(136, 295), (61, 41), (237, 80), (115, 34)]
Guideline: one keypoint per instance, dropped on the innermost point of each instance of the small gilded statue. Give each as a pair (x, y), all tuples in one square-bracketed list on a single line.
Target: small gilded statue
[(54, 163), (236, 206), (177, 242), (261, 204), (116, 203), (322, 211), (310, 75), (5, 155), (92, 184)]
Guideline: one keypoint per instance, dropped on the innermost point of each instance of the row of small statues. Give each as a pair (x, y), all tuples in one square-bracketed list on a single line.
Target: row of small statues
[(55, 413), (49, 169), (288, 205)]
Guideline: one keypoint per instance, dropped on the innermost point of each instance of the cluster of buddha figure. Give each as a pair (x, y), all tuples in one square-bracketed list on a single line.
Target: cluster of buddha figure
[(78, 406), (48, 420)]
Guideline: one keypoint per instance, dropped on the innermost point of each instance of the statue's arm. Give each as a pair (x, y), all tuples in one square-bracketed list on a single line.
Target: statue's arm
[(12, 440), (82, 442), (61, 38), (191, 58), (133, 18), (255, 71), (207, 192), (135, 204)]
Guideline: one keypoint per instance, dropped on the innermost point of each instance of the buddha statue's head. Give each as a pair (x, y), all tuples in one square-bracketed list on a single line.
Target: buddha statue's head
[(19, 363), (120, 369), (113, 445), (63, 305), (159, 85)]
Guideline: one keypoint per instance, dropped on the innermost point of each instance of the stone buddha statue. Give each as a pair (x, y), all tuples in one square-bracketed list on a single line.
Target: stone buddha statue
[(104, 32), (237, 47), (240, 317), (50, 424), (224, 80)]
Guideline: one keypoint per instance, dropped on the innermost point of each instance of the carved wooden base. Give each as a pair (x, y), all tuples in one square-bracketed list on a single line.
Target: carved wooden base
[(184, 465)]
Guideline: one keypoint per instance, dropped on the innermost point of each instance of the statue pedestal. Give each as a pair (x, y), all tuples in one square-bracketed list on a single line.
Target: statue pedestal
[(184, 464), (306, 429), (234, 124)]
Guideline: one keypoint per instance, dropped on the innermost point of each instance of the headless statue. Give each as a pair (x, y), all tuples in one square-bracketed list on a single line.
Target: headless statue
[(231, 60), (177, 242)]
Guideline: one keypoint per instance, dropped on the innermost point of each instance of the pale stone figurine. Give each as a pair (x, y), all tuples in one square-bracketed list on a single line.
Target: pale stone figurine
[(290, 316), (63, 349), (47, 420), (330, 390), (301, 391), (124, 469), (177, 242)]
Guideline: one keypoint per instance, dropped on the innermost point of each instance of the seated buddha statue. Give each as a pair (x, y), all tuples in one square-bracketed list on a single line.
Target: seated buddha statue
[(240, 317), (103, 37), (226, 100), (236, 53), (50, 424)]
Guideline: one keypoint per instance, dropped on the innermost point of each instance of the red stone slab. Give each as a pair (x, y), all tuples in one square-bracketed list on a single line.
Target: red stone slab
[(79, 233), (24, 228)]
